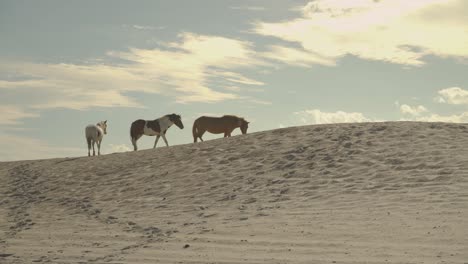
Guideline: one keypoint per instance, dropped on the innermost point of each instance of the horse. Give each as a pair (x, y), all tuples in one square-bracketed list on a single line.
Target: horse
[(157, 127), (217, 125), (94, 134)]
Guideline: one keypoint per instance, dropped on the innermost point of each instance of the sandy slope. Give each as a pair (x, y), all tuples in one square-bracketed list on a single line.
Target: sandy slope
[(349, 193)]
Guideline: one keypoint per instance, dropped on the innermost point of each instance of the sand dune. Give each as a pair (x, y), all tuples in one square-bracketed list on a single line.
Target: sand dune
[(393, 192)]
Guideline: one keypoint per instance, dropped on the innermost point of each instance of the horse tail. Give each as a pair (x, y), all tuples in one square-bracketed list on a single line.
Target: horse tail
[(136, 131), (133, 137), (89, 134), (88, 140), (194, 129)]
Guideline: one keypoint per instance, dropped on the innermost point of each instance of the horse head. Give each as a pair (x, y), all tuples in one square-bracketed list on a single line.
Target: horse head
[(177, 120), (244, 125), (103, 125)]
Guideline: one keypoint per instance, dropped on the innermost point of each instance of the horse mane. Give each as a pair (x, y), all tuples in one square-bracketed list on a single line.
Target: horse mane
[(100, 123), (169, 115)]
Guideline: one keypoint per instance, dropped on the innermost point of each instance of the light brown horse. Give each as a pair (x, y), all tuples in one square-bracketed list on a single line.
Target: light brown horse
[(217, 125)]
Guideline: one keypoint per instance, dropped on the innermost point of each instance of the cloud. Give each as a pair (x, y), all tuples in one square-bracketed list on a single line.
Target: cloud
[(460, 118), (396, 31), (296, 57), (141, 27), (316, 116), (237, 78), (119, 148), (453, 95), (76, 86), (258, 101), (15, 147), (412, 110), (180, 70), (248, 8), (10, 114)]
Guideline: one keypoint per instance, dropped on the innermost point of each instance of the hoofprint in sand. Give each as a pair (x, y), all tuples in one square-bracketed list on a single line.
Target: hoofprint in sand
[(343, 193)]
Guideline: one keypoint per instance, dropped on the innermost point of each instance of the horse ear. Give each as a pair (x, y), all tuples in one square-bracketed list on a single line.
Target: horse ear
[(105, 122)]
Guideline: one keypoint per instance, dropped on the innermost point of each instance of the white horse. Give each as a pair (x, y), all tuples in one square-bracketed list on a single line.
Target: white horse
[(94, 134), (157, 127)]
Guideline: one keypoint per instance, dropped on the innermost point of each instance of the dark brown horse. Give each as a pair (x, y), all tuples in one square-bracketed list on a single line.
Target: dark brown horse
[(217, 125), (157, 127)]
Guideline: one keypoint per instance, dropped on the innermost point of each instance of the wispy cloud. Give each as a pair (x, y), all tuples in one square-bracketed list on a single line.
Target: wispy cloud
[(76, 86), (248, 8), (142, 27), (181, 70), (397, 31), (11, 114), (296, 57)]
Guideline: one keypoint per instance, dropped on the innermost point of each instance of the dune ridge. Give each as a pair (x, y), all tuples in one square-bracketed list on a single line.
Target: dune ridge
[(390, 192)]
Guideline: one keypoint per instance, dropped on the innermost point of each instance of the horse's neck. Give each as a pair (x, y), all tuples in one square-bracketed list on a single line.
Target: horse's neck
[(100, 128), (164, 123), (100, 131)]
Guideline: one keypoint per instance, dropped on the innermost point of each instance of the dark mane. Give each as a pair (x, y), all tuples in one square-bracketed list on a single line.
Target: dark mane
[(171, 116)]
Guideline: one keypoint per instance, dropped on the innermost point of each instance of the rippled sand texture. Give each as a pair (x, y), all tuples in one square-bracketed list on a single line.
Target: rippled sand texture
[(345, 193)]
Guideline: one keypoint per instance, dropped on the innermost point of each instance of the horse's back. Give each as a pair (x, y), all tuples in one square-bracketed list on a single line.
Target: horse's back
[(216, 124), (92, 131), (138, 122)]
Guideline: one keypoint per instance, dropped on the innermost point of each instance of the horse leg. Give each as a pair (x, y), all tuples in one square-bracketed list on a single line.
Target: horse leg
[(94, 152), (89, 146), (156, 141), (200, 134), (197, 135), (98, 147), (134, 142), (195, 132), (165, 140)]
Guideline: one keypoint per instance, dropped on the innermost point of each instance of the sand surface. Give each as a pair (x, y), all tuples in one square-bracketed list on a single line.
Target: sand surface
[(345, 193)]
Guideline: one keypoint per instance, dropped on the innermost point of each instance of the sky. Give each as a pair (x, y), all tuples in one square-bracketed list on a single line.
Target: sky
[(67, 64)]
